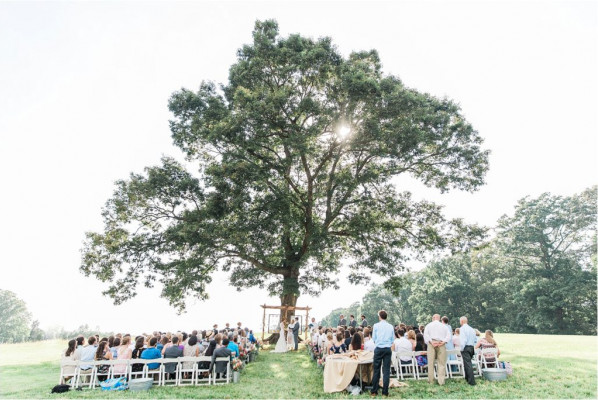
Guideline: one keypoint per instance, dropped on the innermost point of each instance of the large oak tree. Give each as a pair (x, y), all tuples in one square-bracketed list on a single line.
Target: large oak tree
[(293, 165)]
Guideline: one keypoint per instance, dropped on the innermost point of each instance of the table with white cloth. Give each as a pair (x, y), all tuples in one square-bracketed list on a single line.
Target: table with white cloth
[(340, 369)]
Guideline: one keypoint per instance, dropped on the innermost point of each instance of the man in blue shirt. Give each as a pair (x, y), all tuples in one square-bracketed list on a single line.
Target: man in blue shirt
[(384, 335), (152, 353), (467, 340), (233, 347)]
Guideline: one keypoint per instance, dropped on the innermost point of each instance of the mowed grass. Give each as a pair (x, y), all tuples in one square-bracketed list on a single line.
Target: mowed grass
[(544, 367)]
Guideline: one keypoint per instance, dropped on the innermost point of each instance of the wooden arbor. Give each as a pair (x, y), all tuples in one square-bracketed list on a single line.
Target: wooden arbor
[(287, 309)]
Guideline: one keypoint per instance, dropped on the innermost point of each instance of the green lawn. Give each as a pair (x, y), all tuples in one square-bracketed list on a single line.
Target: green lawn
[(544, 367)]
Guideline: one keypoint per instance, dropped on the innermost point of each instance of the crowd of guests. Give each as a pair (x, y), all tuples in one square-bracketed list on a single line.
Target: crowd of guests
[(214, 343), (344, 338), (431, 341)]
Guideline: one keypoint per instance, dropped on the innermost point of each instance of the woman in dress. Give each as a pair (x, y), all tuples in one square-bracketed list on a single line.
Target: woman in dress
[(411, 338), (281, 344), (123, 352), (488, 342), (290, 336), (69, 355), (338, 345), (103, 353)]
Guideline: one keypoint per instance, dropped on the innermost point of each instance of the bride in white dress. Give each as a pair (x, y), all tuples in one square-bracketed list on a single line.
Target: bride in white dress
[(281, 344)]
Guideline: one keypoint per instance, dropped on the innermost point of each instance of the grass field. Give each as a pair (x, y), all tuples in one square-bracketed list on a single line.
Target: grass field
[(543, 367)]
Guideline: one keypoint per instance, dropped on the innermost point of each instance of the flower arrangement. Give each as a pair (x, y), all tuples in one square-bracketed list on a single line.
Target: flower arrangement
[(237, 364), (321, 362)]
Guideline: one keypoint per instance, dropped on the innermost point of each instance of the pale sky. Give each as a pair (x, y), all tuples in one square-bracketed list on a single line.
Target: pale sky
[(83, 102)]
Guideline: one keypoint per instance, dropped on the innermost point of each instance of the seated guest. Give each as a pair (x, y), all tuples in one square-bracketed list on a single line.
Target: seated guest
[(69, 355), (139, 342), (114, 347), (488, 342), (411, 338), (103, 353), (209, 352), (338, 345), (252, 338), (190, 350), (123, 352), (87, 353), (456, 341), (329, 340), (368, 344), (172, 352), (420, 345), (151, 353), (402, 345), (162, 343), (80, 342), (223, 351), (233, 347), (356, 342), (347, 338)]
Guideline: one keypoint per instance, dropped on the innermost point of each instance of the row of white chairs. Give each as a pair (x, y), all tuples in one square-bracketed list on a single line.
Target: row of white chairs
[(411, 370), (184, 374)]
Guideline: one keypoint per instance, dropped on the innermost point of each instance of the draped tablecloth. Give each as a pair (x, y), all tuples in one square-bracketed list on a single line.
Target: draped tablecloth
[(340, 369)]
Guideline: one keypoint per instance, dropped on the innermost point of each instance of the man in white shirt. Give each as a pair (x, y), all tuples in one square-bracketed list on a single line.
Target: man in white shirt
[(402, 345), (368, 343), (87, 353), (436, 335)]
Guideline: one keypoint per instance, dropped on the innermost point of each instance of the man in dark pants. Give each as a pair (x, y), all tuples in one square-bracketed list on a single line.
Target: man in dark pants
[(296, 329), (467, 339), (383, 337)]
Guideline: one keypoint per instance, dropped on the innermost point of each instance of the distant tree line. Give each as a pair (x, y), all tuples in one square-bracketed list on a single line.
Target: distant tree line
[(536, 275), (16, 325)]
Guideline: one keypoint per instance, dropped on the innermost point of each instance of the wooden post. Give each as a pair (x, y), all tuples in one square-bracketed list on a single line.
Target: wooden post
[(263, 323), (306, 321)]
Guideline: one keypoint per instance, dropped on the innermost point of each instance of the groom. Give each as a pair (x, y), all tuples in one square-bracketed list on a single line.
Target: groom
[(296, 332)]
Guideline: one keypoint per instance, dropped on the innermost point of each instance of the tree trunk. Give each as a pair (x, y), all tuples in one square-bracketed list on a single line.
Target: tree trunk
[(290, 293)]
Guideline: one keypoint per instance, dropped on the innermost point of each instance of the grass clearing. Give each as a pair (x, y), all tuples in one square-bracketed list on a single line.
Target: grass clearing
[(544, 366)]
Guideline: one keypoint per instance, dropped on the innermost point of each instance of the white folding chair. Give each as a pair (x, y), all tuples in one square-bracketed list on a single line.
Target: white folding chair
[(221, 380), (166, 375), (97, 372), (406, 370), (154, 372), (120, 368), (421, 371), (200, 371), (139, 365), (187, 365), (458, 362), (476, 363), (68, 369), (84, 375), (394, 369), (489, 353)]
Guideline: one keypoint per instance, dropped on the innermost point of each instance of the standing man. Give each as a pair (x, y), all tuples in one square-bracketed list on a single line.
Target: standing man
[(296, 332), (384, 334), (467, 340), (352, 322), (342, 321), (364, 322), (436, 335)]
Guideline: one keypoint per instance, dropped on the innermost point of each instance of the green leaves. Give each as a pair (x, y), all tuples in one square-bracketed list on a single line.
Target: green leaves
[(293, 160)]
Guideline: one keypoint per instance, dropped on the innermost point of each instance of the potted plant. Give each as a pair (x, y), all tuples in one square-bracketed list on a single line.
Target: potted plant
[(237, 366)]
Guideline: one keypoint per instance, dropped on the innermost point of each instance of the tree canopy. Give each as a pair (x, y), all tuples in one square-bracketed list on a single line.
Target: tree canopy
[(293, 161), (14, 318), (537, 275)]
